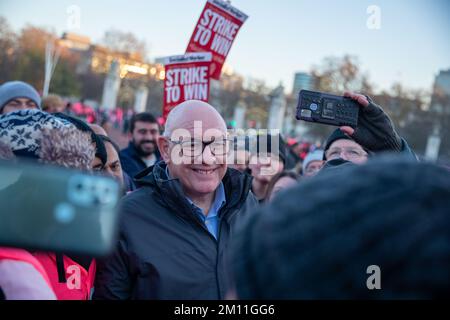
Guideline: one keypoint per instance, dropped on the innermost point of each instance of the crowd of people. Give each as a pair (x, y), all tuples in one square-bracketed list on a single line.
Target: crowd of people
[(204, 216)]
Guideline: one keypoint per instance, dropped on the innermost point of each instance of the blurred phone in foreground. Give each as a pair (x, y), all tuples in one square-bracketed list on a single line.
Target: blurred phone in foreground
[(56, 209)]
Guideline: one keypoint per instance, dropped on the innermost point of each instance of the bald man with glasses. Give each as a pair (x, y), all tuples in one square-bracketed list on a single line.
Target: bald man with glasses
[(176, 228)]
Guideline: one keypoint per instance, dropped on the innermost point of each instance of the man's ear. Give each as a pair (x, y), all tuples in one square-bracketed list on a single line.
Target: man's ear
[(163, 146)]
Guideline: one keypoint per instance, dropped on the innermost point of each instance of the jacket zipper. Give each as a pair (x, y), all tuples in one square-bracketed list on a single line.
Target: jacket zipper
[(219, 228), (217, 258)]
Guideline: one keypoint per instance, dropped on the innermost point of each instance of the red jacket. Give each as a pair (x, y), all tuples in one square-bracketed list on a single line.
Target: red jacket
[(70, 281)]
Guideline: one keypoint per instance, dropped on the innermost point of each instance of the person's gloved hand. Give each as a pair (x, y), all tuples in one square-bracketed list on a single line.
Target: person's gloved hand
[(375, 130)]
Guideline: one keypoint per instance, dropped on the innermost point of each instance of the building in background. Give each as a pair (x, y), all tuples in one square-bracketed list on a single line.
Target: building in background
[(293, 127), (116, 78), (441, 92), (442, 81), (277, 108), (302, 81), (440, 105), (98, 59)]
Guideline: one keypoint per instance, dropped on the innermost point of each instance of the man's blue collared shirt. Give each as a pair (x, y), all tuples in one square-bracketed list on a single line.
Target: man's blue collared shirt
[(211, 221)]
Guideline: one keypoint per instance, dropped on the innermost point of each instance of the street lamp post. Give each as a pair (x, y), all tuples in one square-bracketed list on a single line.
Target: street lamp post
[(51, 59)]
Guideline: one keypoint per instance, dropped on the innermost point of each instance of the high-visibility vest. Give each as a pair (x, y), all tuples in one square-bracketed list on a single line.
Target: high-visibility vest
[(24, 256), (70, 280)]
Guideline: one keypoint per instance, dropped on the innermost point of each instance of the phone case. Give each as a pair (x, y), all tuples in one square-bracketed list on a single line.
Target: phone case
[(327, 109), (56, 209)]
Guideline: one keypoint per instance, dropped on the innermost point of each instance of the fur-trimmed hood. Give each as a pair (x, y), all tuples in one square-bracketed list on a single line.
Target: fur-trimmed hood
[(6, 152), (67, 147)]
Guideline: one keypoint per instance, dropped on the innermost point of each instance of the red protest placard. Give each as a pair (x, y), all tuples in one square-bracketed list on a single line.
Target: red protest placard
[(186, 78), (215, 31)]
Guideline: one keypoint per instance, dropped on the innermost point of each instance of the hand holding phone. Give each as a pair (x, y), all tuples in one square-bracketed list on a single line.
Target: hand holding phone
[(356, 115), (375, 131)]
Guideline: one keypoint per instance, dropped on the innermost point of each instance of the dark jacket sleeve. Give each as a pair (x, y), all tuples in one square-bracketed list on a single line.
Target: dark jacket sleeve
[(247, 209), (112, 281), (128, 182), (251, 203), (407, 151), (129, 165)]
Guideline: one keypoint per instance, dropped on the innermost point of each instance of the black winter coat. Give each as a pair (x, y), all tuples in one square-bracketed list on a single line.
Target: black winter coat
[(164, 250)]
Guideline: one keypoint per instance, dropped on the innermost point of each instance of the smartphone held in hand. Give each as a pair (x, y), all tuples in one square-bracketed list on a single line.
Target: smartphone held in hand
[(327, 109)]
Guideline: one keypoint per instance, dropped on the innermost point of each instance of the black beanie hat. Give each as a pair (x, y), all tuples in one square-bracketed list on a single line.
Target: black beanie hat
[(390, 212), (337, 135)]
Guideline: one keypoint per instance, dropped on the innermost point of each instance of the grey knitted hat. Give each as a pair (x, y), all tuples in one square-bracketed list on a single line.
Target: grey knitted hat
[(17, 89)]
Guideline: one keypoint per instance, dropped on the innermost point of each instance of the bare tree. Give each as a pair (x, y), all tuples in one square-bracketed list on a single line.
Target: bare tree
[(256, 97), (8, 49), (125, 42), (336, 75)]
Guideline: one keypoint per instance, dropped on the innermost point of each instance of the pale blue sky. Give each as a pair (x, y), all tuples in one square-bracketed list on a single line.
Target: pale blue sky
[(279, 37)]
